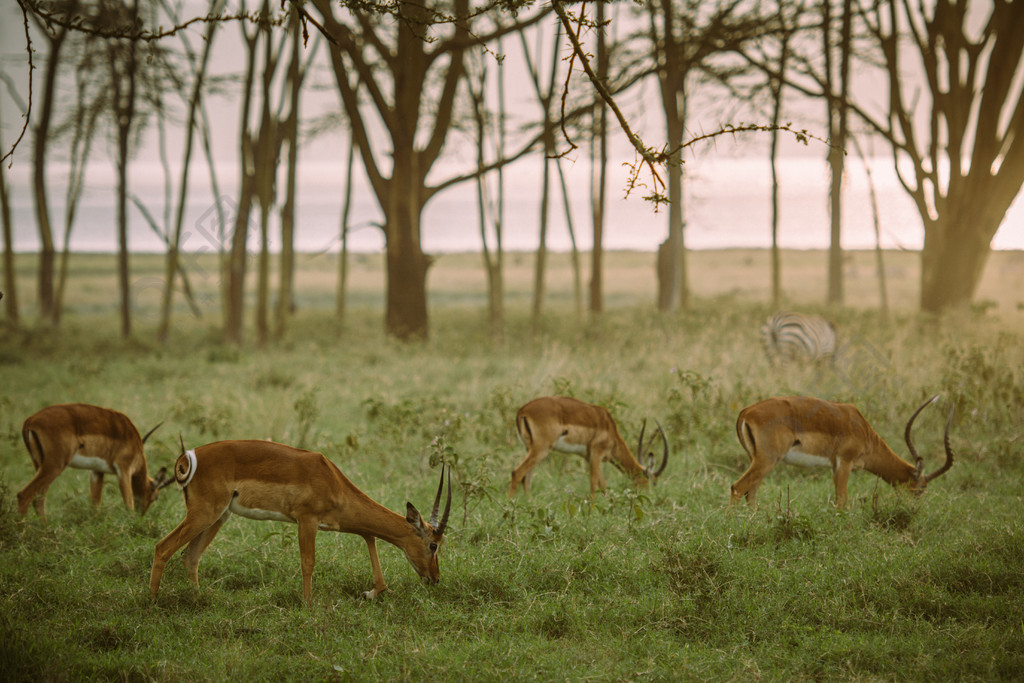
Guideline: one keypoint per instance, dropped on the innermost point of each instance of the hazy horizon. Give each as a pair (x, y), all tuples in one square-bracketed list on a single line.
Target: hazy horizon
[(728, 206)]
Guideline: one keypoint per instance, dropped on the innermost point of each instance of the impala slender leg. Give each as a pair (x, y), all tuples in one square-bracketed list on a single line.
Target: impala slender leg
[(597, 480), (96, 487), (840, 477), (379, 585), (190, 527), (748, 484), (35, 491), (198, 545), (124, 481), (524, 469), (307, 551)]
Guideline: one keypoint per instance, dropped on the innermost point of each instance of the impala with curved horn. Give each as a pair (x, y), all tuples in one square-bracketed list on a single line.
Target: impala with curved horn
[(567, 425), (807, 431), (263, 480), (88, 437)]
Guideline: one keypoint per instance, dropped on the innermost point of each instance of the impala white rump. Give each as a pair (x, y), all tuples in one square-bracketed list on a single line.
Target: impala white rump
[(85, 462)]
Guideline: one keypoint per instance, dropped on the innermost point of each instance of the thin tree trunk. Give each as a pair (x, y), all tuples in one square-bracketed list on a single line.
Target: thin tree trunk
[(496, 271), (599, 171), (545, 99), (173, 262), (346, 210), (40, 142), (776, 90), (10, 291), (234, 283), (81, 144), (838, 126), (290, 134), (577, 276), (125, 110), (266, 171)]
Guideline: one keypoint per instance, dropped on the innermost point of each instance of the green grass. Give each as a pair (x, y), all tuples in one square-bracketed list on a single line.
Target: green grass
[(666, 583)]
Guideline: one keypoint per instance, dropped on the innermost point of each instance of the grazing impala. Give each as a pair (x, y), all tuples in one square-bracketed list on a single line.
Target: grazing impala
[(566, 425), (808, 431), (89, 438), (269, 481)]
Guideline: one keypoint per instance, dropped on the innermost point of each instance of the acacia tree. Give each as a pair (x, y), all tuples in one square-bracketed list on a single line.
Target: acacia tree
[(960, 156), (411, 64)]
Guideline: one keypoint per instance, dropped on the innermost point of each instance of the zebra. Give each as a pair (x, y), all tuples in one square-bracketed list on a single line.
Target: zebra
[(798, 338)]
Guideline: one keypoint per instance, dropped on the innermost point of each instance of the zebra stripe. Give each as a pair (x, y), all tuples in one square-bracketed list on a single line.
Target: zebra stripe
[(798, 338)]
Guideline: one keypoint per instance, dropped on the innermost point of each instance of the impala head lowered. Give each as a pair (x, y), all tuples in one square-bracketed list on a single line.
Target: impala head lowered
[(423, 557), (803, 430), (268, 481), (568, 425), (88, 437)]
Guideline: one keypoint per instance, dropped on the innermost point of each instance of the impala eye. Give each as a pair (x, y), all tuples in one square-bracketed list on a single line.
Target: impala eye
[(433, 547)]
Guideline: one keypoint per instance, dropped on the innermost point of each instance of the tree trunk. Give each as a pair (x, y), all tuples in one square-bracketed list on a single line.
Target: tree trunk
[(234, 282), (237, 260), (406, 317), (492, 263), (673, 290), (40, 142), (346, 210), (173, 264), (290, 126), (540, 263), (599, 173), (10, 291), (952, 262), (124, 103)]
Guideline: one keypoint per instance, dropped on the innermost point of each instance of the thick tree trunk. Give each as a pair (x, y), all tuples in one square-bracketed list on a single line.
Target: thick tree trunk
[(952, 262), (406, 317)]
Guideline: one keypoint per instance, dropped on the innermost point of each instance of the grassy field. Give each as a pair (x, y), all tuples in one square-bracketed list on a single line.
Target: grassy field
[(667, 583)]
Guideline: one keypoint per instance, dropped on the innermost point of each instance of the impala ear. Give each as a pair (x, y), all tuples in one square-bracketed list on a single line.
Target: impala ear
[(413, 516)]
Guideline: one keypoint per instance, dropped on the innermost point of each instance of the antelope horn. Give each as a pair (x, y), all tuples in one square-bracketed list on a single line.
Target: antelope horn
[(440, 527), (664, 457), (181, 440), (949, 449), (918, 460), (162, 479), (640, 443), (646, 458), (150, 432)]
